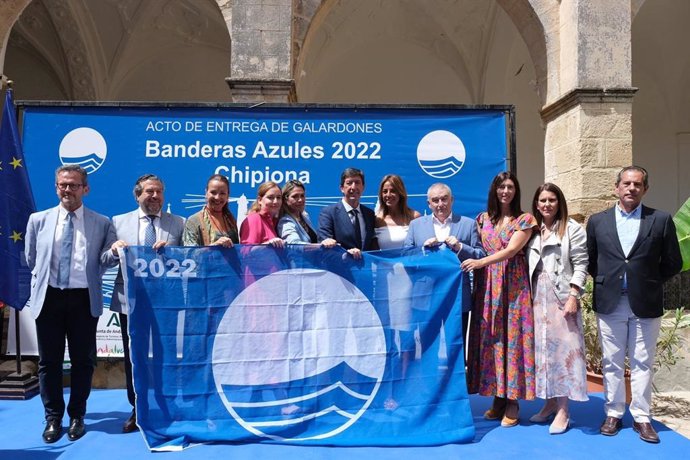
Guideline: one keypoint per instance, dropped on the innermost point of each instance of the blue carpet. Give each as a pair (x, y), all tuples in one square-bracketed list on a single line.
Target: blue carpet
[(21, 425)]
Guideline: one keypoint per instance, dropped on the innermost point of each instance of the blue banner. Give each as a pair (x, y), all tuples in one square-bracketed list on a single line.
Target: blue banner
[(16, 204), (185, 145), (300, 345)]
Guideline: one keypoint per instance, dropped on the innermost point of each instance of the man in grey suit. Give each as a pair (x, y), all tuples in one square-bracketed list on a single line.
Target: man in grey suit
[(66, 250), (147, 225), (632, 250), (457, 233)]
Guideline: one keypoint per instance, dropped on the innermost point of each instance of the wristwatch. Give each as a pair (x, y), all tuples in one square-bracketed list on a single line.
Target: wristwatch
[(576, 294)]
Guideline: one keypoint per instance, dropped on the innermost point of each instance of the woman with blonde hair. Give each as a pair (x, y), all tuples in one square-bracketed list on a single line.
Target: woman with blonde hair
[(259, 227)]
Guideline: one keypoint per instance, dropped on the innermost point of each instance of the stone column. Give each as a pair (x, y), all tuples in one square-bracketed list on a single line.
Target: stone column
[(261, 64), (588, 140), (589, 126)]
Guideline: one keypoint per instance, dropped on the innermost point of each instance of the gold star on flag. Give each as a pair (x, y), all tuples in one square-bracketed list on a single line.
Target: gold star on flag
[(16, 163), (16, 236)]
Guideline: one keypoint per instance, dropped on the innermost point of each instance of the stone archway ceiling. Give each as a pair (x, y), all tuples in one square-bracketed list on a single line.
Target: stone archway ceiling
[(93, 45), (458, 32)]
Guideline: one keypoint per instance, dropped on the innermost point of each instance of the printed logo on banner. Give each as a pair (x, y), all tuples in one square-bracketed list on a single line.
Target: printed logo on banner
[(323, 335), (441, 154), (85, 147)]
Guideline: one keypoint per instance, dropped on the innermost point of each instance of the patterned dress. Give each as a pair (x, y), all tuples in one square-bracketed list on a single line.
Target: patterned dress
[(501, 346), (559, 348)]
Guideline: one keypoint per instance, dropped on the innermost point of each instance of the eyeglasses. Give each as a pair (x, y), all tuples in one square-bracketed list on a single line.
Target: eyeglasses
[(64, 187)]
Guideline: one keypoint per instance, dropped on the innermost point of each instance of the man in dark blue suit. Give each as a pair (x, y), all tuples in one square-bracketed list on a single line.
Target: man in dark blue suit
[(632, 250), (348, 222), (443, 228)]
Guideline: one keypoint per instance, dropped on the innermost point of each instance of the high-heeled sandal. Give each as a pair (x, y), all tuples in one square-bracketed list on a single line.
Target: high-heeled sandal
[(506, 421), (497, 409)]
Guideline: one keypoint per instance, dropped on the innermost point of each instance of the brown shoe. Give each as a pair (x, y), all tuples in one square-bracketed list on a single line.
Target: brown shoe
[(497, 409), (646, 431), (611, 426), (131, 424)]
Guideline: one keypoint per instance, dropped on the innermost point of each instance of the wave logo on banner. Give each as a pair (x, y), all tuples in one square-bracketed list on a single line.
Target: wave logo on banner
[(441, 154), (287, 355), (85, 147)]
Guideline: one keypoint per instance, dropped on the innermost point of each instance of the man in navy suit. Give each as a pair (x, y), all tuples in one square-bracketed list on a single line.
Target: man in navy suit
[(348, 222), (455, 232), (146, 225), (632, 249), (66, 250)]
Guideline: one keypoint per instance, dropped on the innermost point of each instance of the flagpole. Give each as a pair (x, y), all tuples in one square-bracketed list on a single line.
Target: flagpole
[(17, 385)]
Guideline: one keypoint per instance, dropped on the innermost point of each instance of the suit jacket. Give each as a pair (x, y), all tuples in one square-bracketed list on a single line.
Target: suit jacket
[(462, 228), (40, 232), (654, 258), (292, 232), (564, 262), (127, 229), (334, 222)]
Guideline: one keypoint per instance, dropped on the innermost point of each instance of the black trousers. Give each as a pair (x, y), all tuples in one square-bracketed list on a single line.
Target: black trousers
[(66, 313), (128, 360)]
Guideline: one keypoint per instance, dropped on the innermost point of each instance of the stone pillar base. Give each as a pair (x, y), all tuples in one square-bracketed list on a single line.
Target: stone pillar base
[(588, 140), (271, 91)]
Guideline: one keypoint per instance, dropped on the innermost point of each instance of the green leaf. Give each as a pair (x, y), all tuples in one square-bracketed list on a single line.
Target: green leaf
[(682, 221)]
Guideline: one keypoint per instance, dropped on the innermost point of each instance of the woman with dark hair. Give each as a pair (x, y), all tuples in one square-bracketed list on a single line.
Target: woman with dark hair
[(294, 225), (260, 225), (557, 258), (214, 225), (501, 345)]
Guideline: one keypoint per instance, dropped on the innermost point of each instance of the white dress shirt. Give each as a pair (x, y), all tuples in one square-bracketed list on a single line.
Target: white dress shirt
[(77, 272)]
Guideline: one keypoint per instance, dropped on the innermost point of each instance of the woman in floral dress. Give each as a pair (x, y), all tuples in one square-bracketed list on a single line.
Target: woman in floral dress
[(501, 345)]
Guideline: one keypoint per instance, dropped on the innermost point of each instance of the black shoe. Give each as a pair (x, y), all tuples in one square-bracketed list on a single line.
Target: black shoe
[(76, 428), (131, 424), (52, 431)]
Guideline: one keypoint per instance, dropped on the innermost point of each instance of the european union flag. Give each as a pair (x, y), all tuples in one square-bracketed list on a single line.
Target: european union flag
[(16, 204), (298, 345)]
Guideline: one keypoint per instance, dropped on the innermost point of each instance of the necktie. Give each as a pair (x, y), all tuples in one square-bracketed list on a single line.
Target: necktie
[(150, 232), (358, 229), (66, 252)]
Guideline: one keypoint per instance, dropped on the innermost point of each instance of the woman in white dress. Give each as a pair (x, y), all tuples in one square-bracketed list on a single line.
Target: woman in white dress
[(392, 222)]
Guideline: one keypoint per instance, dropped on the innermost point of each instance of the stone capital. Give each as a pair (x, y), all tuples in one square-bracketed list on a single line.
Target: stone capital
[(257, 90), (580, 96)]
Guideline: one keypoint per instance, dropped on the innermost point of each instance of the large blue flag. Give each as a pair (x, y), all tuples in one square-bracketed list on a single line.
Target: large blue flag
[(301, 345), (16, 204)]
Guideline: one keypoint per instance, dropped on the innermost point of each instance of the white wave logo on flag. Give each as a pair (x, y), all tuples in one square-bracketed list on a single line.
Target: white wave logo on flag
[(441, 154), (84, 147), (316, 330)]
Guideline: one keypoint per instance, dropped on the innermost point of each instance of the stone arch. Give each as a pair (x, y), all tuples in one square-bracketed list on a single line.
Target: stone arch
[(121, 50), (661, 107), (10, 12), (532, 18)]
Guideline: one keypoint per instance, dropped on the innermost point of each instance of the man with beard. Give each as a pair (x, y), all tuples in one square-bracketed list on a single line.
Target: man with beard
[(148, 226)]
